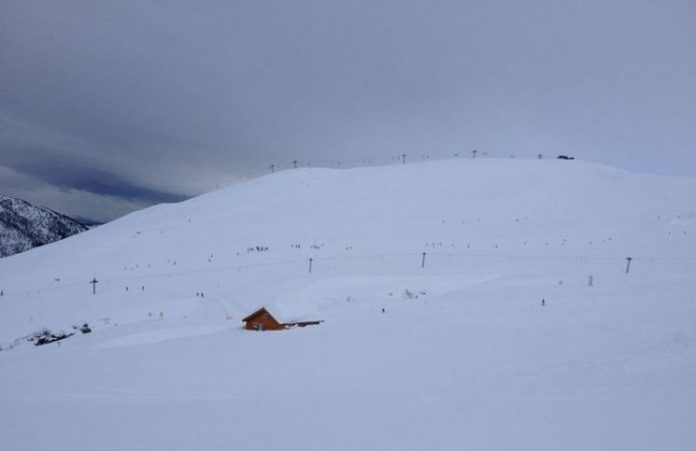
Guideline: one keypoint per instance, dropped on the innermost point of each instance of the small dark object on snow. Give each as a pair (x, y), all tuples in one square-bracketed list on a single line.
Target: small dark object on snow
[(85, 329), (47, 337), (543, 302), (383, 310), (565, 157)]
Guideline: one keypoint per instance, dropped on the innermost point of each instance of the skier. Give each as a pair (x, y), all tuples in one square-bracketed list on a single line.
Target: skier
[(543, 302)]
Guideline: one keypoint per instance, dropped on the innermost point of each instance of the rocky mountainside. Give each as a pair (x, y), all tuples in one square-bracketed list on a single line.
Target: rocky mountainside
[(24, 226)]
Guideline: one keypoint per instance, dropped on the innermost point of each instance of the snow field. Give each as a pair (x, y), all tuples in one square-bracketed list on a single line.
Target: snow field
[(463, 357)]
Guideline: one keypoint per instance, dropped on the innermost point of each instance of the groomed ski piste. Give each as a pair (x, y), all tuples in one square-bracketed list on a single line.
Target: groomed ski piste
[(429, 279)]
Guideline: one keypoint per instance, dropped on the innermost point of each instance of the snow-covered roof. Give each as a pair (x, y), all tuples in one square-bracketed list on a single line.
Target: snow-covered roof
[(289, 312)]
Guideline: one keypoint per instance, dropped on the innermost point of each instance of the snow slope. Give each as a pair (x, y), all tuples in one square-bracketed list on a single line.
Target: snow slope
[(464, 355)]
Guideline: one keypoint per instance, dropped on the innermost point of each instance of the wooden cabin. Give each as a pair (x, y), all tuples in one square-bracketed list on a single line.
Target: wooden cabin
[(262, 319)]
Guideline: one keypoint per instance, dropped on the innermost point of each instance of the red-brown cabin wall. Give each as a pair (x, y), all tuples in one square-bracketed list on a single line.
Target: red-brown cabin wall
[(268, 322)]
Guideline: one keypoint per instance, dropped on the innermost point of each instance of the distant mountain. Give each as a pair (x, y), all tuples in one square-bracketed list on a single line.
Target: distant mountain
[(24, 226)]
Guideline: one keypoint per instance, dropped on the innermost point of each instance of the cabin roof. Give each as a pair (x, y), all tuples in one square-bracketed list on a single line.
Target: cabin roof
[(288, 312), (257, 312)]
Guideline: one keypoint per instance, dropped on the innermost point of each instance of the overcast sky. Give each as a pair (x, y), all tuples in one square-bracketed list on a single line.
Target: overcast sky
[(109, 106)]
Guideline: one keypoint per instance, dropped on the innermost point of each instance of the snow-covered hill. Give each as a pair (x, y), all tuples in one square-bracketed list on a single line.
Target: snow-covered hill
[(429, 278), (24, 226)]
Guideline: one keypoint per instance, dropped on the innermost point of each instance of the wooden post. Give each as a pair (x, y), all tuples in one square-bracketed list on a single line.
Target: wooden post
[(94, 283), (628, 264), (310, 265), (423, 261)]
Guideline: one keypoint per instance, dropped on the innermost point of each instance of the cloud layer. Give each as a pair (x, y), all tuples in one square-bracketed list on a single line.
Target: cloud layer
[(137, 102)]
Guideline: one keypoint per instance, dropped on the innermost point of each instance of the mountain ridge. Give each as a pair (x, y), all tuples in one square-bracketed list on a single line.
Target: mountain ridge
[(24, 226)]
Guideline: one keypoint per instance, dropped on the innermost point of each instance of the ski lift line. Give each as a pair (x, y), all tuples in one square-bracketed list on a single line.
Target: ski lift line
[(520, 256), (109, 281), (559, 257), (49, 289), (164, 274), (517, 256), (302, 261), (394, 159), (367, 256), (359, 257), (255, 265), (202, 271)]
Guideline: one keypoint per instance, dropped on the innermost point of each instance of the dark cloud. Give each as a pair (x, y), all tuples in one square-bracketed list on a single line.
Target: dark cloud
[(102, 183), (73, 176), (63, 161), (149, 101)]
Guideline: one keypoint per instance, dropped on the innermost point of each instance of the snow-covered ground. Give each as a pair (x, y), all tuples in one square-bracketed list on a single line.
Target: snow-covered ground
[(464, 355)]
